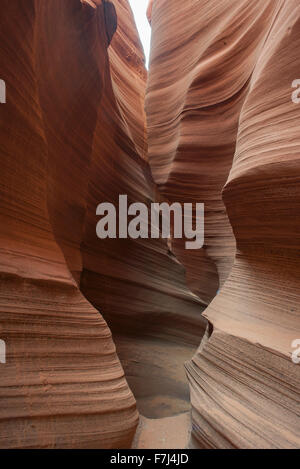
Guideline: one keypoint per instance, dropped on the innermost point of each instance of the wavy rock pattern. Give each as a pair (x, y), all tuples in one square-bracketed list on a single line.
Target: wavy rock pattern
[(62, 385), (137, 284), (222, 129), (223, 71), (73, 135)]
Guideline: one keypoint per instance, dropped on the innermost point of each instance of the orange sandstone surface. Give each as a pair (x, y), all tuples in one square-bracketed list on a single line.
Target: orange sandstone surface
[(97, 331), (227, 134), (73, 135)]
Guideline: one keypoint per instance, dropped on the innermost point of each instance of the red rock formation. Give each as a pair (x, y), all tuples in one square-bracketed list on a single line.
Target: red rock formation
[(223, 71), (73, 135), (62, 385), (149, 11), (138, 285)]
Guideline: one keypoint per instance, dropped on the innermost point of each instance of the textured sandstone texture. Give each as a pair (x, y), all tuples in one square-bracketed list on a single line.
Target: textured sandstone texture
[(62, 385), (222, 73), (72, 136), (138, 285), (165, 433), (222, 129)]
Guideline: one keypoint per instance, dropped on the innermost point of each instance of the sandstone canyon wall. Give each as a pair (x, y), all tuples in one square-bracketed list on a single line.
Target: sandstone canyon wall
[(227, 134), (138, 286), (62, 385), (97, 331), (73, 135)]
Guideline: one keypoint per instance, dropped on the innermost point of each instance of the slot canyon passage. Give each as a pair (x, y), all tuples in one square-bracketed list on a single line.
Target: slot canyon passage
[(123, 343)]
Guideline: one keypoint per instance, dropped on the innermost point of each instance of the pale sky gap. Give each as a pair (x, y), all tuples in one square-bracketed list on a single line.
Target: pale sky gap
[(139, 8)]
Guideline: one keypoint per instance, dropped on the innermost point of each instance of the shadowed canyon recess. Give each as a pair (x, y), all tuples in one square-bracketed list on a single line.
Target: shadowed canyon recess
[(122, 342)]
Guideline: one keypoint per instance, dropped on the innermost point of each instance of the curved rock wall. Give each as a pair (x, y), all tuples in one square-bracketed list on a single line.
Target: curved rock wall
[(73, 135), (62, 385), (137, 284), (223, 71), (192, 136), (223, 130)]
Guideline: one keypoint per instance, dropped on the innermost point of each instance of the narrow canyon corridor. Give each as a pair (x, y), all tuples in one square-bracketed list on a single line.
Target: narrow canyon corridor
[(142, 343)]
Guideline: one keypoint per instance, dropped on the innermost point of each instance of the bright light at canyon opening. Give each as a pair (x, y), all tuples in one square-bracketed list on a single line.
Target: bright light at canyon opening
[(139, 8)]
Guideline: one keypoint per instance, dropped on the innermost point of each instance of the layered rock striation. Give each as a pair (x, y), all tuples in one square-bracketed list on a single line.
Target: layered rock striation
[(73, 135), (98, 329), (62, 384), (138, 285), (228, 134)]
